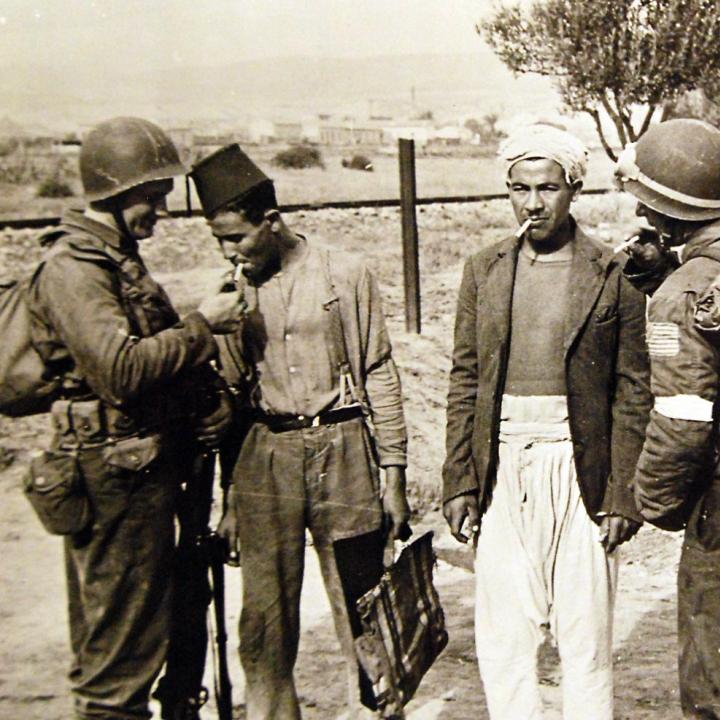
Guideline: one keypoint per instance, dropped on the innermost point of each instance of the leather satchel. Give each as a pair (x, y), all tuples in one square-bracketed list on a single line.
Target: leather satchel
[(403, 628)]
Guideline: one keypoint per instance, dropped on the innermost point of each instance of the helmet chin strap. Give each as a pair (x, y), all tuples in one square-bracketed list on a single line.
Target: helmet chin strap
[(119, 219)]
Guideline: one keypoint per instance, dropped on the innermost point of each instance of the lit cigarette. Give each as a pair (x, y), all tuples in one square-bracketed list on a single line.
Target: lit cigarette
[(626, 244), (523, 228), (237, 273)]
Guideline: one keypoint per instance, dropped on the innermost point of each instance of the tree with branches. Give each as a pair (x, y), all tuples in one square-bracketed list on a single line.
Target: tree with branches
[(627, 58)]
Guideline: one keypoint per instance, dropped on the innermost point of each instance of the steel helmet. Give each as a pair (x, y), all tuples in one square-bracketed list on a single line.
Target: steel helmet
[(124, 152), (674, 168)]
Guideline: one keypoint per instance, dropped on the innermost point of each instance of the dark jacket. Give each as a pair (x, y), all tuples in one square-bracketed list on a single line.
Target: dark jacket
[(606, 369)]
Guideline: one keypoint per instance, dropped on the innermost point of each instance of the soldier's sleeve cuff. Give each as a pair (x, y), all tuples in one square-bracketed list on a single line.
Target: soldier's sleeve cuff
[(200, 337), (387, 459)]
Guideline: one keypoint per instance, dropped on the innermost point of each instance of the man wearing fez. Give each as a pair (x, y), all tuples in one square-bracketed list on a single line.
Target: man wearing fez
[(547, 406), (326, 402)]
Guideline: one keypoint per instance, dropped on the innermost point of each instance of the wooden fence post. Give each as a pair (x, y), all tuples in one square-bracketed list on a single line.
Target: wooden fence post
[(411, 259), (188, 197)]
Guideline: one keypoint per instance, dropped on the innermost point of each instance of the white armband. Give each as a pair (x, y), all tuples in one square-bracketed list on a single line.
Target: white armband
[(685, 407)]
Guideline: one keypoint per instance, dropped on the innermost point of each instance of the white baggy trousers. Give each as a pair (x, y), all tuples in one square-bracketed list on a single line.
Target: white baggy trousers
[(539, 562)]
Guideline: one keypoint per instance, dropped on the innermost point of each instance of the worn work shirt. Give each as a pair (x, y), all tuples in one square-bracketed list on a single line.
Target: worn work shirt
[(289, 343), (288, 340), (536, 364)]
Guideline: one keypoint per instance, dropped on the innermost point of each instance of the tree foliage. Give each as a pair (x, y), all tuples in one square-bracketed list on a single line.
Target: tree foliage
[(299, 157), (612, 55)]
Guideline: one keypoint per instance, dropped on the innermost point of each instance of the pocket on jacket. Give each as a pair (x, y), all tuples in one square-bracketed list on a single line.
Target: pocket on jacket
[(132, 454), (605, 315), (54, 487)]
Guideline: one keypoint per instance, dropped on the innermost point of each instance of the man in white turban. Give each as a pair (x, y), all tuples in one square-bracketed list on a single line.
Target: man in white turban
[(547, 406)]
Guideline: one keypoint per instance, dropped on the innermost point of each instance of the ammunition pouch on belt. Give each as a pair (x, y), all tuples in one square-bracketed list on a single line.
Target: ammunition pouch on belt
[(89, 423), (54, 484)]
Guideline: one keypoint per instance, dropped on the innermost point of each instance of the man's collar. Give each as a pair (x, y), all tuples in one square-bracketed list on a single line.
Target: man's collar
[(103, 231)]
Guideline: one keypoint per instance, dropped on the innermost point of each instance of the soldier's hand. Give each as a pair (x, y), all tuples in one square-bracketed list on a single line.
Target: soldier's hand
[(223, 312), (395, 505), (457, 511), (615, 530), (212, 429), (647, 252), (229, 529)]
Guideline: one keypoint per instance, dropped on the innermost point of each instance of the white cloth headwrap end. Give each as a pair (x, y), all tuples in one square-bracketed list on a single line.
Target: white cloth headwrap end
[(546, 141)]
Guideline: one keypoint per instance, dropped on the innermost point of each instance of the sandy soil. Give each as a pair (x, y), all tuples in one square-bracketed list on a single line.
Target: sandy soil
[(34, 653)]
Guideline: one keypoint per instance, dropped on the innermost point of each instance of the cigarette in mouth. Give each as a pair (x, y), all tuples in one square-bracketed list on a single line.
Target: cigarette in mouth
[(626, 244), (523, 228), (237, 273)]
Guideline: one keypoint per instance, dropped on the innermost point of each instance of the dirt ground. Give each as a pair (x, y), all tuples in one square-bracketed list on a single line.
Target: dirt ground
[(34, 653)]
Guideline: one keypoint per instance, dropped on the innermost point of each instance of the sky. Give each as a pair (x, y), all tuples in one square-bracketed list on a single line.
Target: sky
[(154, 34)]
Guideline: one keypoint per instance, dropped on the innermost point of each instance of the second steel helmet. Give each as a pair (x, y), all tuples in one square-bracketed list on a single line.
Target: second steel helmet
[(674, 169), (124, 152)]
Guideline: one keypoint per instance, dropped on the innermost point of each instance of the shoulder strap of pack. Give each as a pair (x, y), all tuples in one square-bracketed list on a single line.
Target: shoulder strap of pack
[(86, 247), (710, 251)]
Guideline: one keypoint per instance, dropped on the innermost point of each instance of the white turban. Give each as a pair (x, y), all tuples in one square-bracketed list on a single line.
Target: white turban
[(546, 141)]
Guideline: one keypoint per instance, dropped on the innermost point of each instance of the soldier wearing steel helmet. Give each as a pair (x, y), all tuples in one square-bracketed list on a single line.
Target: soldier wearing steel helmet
[(674, 172), (135, 384)]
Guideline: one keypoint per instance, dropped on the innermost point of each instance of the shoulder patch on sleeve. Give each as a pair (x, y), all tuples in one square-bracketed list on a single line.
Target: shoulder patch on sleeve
[(707, 309), (663, 339)]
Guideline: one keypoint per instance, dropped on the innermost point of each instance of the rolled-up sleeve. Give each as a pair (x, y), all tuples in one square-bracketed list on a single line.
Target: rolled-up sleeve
[(82, 302), (382, 381)]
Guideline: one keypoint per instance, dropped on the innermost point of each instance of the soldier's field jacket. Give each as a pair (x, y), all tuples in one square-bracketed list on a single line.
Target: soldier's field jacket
[(678, 460), (606, 374), (102, 322)]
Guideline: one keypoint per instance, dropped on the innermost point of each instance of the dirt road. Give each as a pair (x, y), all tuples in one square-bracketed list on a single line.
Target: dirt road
[(34, 654)]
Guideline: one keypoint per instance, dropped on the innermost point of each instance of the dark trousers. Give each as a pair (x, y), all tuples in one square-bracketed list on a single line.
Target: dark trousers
[(119, 587), (699, 610), (187, 651), (322, 479)]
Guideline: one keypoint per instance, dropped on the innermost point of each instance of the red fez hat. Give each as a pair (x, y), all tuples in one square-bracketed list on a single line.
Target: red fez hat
[(227, 176)]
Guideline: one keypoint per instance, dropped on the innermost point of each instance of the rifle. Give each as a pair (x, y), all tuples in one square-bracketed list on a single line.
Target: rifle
[(213, 547)]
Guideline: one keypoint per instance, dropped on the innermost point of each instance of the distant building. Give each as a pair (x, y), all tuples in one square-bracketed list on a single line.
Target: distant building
[(290, 132), (214, 140), (350, 135), (450, 135), (181, 136), (261, 131), (419, 133)]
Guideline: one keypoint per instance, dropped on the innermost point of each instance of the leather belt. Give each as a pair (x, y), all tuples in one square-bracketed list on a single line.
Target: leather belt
[(284, 423)]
